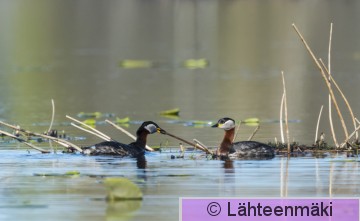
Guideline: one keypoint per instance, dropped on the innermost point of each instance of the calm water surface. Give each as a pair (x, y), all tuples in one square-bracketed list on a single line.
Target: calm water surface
[(71, 51), (26, 196)]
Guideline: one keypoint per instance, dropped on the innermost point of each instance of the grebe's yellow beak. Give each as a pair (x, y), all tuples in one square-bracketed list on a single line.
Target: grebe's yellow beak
[(161, 131)]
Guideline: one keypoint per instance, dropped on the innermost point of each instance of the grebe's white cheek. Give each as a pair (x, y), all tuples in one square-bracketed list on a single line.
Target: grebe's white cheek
[(151, 128), (229, 125)]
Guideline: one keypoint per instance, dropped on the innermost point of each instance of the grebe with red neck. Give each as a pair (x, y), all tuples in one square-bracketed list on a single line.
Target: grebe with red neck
[(242, 149)]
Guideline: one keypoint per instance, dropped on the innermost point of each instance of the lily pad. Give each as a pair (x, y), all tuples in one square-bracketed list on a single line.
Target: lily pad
[(89, 115), (121, 189), (90, 122), (68, 173), (132, 64), (174, 111), (72, 173), (251, 120), (196, 63), (122, 120)]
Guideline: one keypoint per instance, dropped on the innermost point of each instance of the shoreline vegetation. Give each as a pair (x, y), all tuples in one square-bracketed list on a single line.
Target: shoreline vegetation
[(350, 144)]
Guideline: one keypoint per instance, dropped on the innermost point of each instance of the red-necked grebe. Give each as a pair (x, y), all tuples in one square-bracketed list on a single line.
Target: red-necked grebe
[(135, 149), (242, 149)]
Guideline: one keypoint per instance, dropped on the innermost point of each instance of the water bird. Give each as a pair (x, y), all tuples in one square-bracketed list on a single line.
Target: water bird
[(242, 149), (134, 149)]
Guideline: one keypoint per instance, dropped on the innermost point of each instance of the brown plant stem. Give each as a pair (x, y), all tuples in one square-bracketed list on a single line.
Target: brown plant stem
[(237, 131), (190, 143), (317, 125), (329, 98), (286, 114), (87, 126), (57, 140), (253, 134), (24, 142), (342, 95), (325, 78)]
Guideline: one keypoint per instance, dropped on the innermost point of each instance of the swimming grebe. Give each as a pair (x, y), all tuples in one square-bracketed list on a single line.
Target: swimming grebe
[(135, 149), (242, 149)]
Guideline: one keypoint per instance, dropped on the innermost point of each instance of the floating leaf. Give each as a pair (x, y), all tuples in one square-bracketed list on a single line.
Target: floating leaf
[(90, 122), (121, 189), (122, 120), (251, 120), (68, 173), (132, 64), (174, 111), (72, 173), (89, 115), (196, 63)]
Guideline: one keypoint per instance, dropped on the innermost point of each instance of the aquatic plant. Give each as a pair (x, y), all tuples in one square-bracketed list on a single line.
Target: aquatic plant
[(174, 111), (119, 188)]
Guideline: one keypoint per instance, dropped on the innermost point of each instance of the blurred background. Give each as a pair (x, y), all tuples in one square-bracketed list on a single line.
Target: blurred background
[(210, 58)]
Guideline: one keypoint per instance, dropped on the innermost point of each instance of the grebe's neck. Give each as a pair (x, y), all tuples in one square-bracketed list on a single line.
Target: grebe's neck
[(227, 141), (141, 139)]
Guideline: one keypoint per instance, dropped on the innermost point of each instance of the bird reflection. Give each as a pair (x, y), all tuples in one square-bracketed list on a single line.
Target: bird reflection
[(229, 166), (141, 162)]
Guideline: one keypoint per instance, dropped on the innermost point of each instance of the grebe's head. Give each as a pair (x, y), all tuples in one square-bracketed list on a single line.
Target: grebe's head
[(151, 127), (225, 123)]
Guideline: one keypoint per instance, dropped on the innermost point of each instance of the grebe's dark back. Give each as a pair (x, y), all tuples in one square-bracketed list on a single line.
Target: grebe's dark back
[(134, 149)]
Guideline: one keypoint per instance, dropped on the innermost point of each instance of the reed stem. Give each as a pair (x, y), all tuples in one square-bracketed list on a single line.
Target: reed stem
[(237, 131), (253, 134), (24, 142), (55, 139), (343, 97), (89, 131), (199, 143), (281, 119), (325, 78), (91, 128), (286, 114), (52, 115), (190, 143), (317, 125)]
